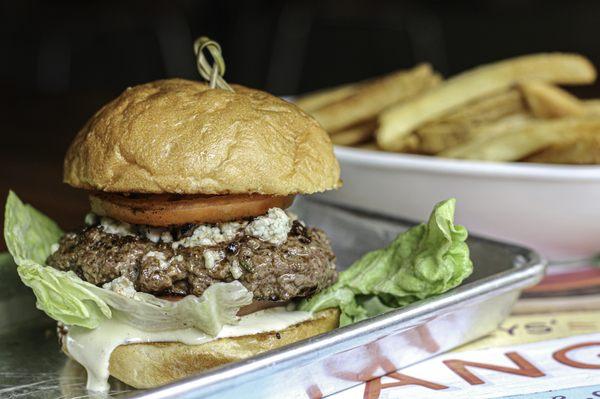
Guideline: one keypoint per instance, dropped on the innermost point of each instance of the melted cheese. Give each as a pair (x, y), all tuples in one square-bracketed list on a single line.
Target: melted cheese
[(92, 348)]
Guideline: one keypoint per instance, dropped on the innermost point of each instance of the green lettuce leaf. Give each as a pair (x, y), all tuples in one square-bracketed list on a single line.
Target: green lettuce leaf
[(424, 261), (29, 236)]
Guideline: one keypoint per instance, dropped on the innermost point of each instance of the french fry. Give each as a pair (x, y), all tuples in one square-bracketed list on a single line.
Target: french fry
[(584, 148), (549, 101), (592, 107), (399, 121), (354, 135), (374, 96), (369, 145), (440, 135), (459, 124), (513, 122), (490, 108), (484, 133), (312, 101), (518, 139)]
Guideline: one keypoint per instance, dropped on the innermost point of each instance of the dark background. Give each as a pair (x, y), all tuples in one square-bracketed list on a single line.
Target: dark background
[(61, 60)]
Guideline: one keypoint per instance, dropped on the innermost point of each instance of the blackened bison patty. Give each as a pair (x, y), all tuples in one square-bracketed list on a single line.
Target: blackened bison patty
[(299, 267)]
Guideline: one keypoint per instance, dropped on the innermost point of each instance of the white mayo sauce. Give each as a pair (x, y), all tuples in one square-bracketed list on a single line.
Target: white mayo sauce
[(92, 348)]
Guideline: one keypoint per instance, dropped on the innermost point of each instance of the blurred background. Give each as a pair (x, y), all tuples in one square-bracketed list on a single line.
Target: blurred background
[(62, 60)]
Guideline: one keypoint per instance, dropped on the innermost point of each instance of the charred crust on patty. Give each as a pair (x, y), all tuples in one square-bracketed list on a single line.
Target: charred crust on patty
[(183, 231), (298, 229), (302, 265), (232, 248)]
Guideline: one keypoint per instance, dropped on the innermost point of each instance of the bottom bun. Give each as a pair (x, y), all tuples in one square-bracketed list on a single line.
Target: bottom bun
[(154, 364)]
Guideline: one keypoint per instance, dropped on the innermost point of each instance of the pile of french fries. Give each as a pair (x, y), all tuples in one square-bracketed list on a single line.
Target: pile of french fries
[(512, 110)]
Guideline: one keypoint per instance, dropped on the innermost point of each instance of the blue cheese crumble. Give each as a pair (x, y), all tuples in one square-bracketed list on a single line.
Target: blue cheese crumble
[(112, 226), (212, 258), (273, 227), (206, 235), (121, 285), (163, 262)]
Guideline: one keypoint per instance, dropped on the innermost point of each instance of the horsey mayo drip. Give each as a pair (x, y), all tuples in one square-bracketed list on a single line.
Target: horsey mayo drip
[(92, 348)]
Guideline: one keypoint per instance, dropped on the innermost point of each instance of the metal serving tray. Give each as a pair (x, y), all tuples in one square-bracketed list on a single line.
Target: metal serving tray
[(32, 366)]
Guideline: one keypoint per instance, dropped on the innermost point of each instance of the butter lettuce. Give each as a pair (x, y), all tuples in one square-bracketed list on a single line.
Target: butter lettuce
[(424, 261), (65, 297)]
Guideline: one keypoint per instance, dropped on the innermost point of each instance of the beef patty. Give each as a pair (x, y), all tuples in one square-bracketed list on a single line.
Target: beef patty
[(302, 265)]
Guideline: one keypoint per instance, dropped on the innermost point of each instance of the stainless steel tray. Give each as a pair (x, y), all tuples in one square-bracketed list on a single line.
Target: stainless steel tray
[(32, 366)]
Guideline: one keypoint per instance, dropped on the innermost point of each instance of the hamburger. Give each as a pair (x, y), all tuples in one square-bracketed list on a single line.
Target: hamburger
[(189, 258)]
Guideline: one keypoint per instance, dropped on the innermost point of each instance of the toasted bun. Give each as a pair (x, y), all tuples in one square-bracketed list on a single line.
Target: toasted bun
[(180, 136), (155, 364)]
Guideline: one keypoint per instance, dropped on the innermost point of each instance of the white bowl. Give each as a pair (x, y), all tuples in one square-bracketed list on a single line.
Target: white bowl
[(553, 209)]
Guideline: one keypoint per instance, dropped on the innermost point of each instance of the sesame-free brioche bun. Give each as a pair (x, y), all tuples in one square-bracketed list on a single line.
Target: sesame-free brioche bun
[(180, 136), (150, 365)]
